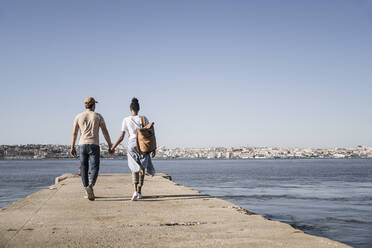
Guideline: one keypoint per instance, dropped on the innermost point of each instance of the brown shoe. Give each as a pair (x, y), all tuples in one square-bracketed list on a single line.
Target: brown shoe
[(90, 193)]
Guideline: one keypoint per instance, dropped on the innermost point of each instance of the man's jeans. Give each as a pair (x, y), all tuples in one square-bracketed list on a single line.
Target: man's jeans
[(89, 152)]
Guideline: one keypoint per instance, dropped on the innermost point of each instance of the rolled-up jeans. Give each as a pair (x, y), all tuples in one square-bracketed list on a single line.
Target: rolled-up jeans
[(138, 177), (89, 153)]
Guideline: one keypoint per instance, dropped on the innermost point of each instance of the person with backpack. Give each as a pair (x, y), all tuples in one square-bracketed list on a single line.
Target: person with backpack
[(139, 150)]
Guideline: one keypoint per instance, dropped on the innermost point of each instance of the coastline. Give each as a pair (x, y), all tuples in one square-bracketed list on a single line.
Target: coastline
[(49, 151), (167, 159)]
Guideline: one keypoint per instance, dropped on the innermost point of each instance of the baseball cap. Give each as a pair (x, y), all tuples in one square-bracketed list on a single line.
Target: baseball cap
[(90, 100)]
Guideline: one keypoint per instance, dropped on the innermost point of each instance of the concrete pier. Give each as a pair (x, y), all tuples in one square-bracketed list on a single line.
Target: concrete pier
[(170, 215)]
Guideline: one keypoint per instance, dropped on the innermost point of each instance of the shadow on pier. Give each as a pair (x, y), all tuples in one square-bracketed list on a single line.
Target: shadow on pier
[(156, 197)]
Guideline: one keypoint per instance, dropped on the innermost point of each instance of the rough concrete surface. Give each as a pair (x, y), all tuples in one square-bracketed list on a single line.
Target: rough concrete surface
[(170, 215)]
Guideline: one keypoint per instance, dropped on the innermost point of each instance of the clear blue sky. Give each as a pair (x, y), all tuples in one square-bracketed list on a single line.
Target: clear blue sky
[(209, 73)]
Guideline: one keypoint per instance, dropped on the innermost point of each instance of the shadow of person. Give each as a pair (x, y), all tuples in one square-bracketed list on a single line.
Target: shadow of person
[(156, 197), (176, 197)]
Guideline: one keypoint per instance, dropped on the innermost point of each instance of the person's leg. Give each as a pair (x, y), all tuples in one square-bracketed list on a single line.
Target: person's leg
[(88, 186), (141, 180), (95, 159), (135, 179), (84, 164)]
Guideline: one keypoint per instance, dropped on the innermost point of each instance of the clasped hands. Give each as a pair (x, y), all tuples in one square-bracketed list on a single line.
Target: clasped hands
[(111, 149)]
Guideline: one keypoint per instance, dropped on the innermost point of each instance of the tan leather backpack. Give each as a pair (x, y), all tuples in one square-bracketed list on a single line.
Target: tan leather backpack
[(146, 141)]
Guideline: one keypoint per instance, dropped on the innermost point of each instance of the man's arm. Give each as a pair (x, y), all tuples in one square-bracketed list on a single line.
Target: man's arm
[(105, 133), (75, 130)]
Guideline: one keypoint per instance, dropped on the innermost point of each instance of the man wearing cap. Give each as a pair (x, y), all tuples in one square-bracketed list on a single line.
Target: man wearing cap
[(89, 123)]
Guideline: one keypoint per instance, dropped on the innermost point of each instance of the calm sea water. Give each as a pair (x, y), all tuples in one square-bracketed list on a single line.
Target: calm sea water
[(329, 198)]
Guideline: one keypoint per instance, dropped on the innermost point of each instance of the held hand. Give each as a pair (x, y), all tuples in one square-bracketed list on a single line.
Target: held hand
[(153, 154), (73, 151), (111, 150)]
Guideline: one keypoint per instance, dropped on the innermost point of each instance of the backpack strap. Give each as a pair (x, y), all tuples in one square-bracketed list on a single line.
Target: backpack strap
[(143, 121)]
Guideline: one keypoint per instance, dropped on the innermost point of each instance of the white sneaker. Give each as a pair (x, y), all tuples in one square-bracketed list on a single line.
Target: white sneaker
[(139, 196), (135, 196)]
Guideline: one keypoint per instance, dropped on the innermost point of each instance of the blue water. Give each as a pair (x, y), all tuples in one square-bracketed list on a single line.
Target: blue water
[(329, 198)]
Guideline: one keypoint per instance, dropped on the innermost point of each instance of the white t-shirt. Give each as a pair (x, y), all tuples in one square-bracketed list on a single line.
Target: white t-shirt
[(131, 124)]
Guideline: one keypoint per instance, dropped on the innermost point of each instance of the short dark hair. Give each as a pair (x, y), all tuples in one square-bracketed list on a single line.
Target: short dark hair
[(134, 105)]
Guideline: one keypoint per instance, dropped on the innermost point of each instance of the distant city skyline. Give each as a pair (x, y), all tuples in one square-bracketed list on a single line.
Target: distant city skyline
[(62, 152), (209, 73)]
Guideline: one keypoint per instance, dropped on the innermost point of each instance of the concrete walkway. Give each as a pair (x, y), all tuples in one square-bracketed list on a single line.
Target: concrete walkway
[(170, 215)]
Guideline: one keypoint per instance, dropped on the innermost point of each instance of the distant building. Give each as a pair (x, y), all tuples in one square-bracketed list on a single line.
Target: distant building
[(369, 155), (211, 155), (26, 154), (11, 153), (228, 155), (338, 155)]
